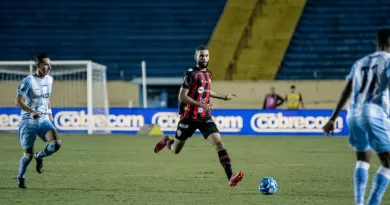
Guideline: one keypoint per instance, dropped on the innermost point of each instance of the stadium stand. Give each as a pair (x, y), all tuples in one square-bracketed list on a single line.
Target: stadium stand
[(227, 34), (270, 34), (118, 34), (330, 36)]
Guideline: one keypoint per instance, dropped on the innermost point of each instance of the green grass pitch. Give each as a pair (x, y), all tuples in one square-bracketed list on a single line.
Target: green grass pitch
[(122, 169)]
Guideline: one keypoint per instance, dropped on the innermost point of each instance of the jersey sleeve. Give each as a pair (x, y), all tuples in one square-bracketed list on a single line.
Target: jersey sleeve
[(188, 79), (24, 87)]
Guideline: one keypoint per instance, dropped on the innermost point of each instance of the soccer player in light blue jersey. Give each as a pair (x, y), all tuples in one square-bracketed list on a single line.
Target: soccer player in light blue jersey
[(33, 97), (368, 84)]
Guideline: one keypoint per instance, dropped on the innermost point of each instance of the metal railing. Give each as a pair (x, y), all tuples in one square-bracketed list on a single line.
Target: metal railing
[(244, 40)]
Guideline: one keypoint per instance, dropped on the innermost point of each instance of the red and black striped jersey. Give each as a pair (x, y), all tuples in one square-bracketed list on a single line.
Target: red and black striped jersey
[(199, 84)]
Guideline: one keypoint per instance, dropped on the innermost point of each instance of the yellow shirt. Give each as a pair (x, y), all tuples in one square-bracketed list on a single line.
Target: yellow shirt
[(293, 100)]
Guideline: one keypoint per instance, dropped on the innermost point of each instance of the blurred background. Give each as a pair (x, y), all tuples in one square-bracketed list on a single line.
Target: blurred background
[(256, 46), (117, 68)]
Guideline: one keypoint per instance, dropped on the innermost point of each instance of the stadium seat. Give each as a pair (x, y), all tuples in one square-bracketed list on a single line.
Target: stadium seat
[(118, 34), (330, 36)]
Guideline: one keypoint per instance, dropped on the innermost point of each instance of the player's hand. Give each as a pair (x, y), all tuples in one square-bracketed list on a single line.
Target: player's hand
[(36, 115), (328, 128), (207, 107), (229, 97)]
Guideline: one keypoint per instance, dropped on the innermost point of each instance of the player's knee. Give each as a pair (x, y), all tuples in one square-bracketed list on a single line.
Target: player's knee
[(29, 156), (385, 159), (56, 144), (219, 145), (363, 156), (176, 151)]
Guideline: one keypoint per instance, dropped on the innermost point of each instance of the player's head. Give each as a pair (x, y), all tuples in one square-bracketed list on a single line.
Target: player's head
[(202, 56), (292, 88), (42, 61), (383, 39), (272, 89)]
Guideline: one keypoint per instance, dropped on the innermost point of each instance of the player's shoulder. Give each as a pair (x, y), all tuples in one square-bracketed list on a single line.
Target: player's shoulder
[(49, 78), (27, 79), (364, 60), (209, 71), (189, 71)]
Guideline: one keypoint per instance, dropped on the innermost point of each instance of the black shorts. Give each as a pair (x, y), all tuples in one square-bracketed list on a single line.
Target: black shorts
[(187, 127)]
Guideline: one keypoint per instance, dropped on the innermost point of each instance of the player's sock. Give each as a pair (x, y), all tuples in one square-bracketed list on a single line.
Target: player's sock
[(360, 181), (225, 162), (169, 143), (51, 148), (24, 161), (379, 186)]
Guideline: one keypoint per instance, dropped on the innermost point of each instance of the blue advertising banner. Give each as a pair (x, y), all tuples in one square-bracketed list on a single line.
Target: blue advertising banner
[(229, 121)]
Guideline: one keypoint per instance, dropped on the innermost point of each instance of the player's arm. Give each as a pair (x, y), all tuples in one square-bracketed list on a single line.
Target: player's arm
[(49, 111), (187, 82), (20, 103), (183, 96), (301, 100), (342, 100), (23, 91), (279, 101), (329, 126), (216, 95)]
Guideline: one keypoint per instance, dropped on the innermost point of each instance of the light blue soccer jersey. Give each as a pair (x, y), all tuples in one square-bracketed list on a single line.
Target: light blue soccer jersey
[(370, 93), (36, 92)]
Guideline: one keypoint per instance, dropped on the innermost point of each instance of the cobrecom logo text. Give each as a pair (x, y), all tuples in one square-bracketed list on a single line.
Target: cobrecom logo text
[(78, 120), (276, 122), (168, 121)]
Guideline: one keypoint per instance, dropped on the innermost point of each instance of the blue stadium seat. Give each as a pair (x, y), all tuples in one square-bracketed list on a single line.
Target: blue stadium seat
[(118, 34), (330, 36)]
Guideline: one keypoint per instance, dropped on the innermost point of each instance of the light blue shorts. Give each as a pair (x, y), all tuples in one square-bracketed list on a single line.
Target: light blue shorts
[(29, 129), (367, 133)]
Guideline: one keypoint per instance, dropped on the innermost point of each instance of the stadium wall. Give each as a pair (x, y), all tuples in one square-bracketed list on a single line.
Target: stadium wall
[(250, 122), (250, 94)]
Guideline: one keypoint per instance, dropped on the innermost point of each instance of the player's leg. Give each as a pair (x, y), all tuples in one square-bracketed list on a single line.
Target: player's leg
[(380, 141), (358, 139), (210, 132), (27, 135), (185, 129), (49, 134)]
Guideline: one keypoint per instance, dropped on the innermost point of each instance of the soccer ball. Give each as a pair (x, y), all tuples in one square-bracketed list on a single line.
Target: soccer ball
[(268, 186)]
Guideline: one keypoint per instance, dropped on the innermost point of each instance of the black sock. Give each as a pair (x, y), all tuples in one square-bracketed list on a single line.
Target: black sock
[(225, 162), (169, 143)]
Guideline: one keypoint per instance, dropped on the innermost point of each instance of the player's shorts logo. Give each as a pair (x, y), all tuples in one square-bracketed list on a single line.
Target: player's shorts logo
[(276, 122), (181, 125)]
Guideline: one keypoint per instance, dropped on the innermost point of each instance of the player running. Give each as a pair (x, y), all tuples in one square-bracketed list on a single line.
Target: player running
[(195, 113), (368, 118), (33, 97)]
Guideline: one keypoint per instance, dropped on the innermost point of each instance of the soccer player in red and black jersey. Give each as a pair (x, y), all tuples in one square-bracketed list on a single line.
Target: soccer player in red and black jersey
[(195, 113)]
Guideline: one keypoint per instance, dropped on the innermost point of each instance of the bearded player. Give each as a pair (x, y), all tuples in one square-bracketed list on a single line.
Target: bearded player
[(195, 113), (36, 118)]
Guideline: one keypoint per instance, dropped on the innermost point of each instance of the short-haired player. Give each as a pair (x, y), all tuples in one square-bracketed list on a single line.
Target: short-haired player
[(195, 113), (33, 97)]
